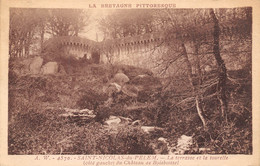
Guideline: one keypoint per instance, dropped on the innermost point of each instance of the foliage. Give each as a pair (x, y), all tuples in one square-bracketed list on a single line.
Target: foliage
[(28, 26), (36, 128), (91, 100), (66, 22), (123, 23), (23, 27), (234, 137), (35, 101), (36, 132)]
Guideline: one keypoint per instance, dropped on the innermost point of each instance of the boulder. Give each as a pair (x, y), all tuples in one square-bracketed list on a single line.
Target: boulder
[(79, 116), (160, 146), (161, 139), (116, 123), (78, 113), (86, 111), (120, 78), (50, 68), (149, 129), (113, 88), (146, 82), (204, 150), (147, 86), (35, 65), (113, 120), (130, 90), (133, 71), (184, 144)]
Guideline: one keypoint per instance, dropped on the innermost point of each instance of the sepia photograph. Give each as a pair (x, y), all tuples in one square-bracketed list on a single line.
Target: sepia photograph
[(130, 81)]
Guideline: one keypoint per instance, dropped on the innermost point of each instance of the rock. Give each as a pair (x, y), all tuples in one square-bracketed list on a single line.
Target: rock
[(204, 150), (118, 120), (79, 114), (160, 146), (149, 129), (113, 120), (116, 86), (50, 68), (116, 123), (170, 149), (130, 90), (113, 88), (83, 111), (120, 78), (35, 65), (142, 76), (86, 111), (184, 144), (146, 82), (147, 86), (162, 139), (132, 71), (208, 68)]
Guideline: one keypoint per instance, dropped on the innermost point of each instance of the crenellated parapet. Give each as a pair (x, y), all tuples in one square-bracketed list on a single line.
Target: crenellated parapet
[(131, 49), (133, 46), (227, 29), (73, 41), (72, 46)]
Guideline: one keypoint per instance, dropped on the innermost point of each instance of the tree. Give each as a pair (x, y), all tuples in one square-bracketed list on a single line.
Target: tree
[(222, 77), (180, 30), (29, 26), (23, 27), (124, 23), (200, 31), (66, 22)]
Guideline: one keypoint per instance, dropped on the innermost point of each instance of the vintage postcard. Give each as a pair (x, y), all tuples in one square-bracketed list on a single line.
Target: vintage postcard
[(98, 83)]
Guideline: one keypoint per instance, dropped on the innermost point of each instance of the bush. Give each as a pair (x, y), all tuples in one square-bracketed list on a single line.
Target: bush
[(91, 100), (130, 140), (47, 133)]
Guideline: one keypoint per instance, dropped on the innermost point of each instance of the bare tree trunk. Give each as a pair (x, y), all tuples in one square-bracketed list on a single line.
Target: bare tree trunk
[(27, 43), (20, 48), (42, 36), (197, 96), (197, 59), (200, 111), (222, 77)]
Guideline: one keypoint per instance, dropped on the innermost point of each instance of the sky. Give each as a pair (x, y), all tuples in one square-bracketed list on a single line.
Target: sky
[(91, 31)]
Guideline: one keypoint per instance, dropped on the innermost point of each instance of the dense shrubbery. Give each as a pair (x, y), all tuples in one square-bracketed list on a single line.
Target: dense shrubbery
[(233, 137), (100, 141), (91, 100), (47, 133), (35, 103)]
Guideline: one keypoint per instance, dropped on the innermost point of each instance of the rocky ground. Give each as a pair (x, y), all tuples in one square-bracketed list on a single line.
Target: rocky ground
[(80, 108)]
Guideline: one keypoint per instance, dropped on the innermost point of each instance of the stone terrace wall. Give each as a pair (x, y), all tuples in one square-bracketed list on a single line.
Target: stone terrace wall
[(72, 45), (142, 50)]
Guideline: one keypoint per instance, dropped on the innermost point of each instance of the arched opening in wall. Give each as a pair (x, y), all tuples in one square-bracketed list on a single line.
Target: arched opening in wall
[(95, 57)]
